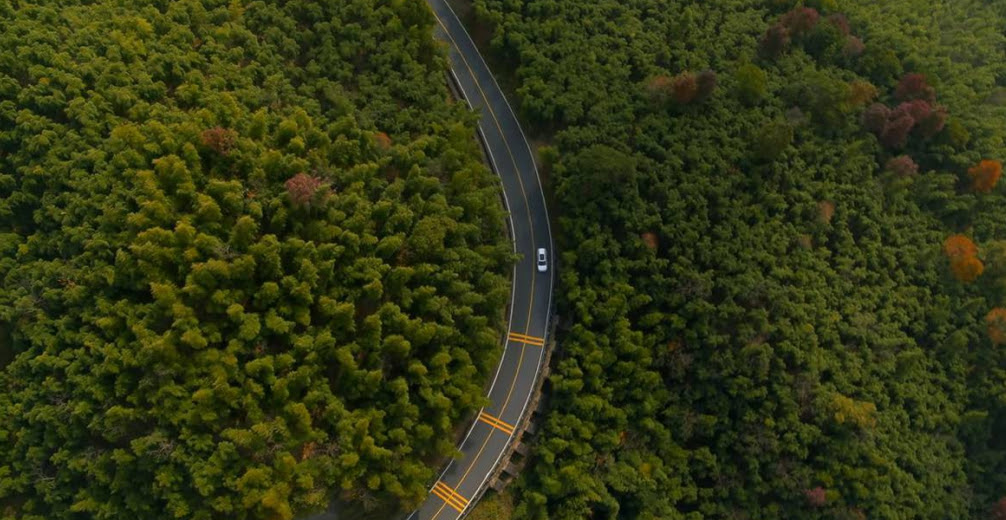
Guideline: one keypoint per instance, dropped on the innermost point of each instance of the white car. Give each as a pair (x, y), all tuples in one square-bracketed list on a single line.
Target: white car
[(542, 260)]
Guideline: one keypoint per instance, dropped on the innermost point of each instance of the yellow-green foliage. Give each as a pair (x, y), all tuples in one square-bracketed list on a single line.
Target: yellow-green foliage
[(848, 410), (233, 237), (697, 377), (493, 506)]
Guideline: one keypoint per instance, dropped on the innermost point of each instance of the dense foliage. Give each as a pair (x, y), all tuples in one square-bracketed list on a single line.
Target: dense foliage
[(782, 300), (249, 255)]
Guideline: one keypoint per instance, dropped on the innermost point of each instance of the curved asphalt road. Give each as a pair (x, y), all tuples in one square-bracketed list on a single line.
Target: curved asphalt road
[(523, 355)]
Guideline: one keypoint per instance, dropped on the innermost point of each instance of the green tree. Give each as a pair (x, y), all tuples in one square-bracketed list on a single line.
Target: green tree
[(751, 83), (224, 291), (772, 139), (701, 378)]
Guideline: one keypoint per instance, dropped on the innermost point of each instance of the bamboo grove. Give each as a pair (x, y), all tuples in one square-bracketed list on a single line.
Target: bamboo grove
[(782, 255), (250, 258)]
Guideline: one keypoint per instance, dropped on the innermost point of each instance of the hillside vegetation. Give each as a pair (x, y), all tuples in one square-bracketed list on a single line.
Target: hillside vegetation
[(782, 257), (249, 258)]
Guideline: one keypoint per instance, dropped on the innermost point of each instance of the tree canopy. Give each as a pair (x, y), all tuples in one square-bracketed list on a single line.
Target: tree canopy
[(249, 256), (760, 319)]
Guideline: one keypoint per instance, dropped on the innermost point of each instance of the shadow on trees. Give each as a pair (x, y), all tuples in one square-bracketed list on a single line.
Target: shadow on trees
[(6, 345), (342, 510)]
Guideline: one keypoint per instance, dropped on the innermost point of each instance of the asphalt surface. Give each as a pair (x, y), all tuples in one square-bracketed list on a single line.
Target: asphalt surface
[(523, 355), (531, 300)]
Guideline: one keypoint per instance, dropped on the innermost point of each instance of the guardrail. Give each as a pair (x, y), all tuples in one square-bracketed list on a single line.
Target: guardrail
[(455, 86), (524, 423)]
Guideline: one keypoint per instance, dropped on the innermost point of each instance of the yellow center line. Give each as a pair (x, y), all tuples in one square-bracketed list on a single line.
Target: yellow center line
[(450, 497), (527, 206), (496, 423), (530, 340), (442, 496)]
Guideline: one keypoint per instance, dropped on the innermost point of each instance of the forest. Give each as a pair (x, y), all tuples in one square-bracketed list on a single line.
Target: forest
[(250, 258), (782, 244)]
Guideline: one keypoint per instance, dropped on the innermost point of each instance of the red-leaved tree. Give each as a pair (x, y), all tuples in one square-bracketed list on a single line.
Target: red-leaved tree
[(840, 22), (775, 41), (932, 123), (914, 86), (892, 127), (902, 166), (816, 497), (999, 510), (895, 132), (853, 46), (800, 20), (684, 87), (929, 119), (302, 188), (218, 139), (706, 83), (917, 108), (875, 117)]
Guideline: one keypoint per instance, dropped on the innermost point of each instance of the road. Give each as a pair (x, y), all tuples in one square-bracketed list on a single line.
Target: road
[(523, 354)]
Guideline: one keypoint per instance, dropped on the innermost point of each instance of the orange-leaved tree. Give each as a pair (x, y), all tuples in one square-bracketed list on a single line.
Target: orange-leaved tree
[(959, 246), (963, 255), (383, 141), (985, 175), (996, 322), (967, 269)]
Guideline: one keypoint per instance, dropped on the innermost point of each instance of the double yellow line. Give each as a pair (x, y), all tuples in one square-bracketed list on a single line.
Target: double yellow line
[(529, 340), (441, 490), (496, 423), (449, 496)]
